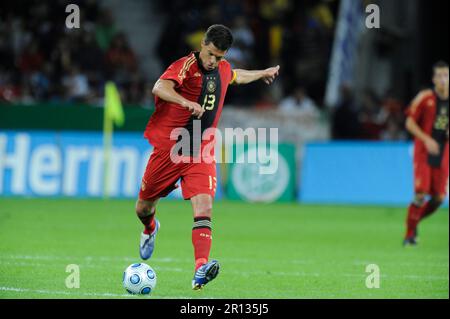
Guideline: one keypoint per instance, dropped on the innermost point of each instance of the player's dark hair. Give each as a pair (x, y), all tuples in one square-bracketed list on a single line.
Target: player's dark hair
[(220, 36), (440, 64)]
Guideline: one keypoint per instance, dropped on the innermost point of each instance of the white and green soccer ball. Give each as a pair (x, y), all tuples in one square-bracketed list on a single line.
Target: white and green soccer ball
[(139, 279)]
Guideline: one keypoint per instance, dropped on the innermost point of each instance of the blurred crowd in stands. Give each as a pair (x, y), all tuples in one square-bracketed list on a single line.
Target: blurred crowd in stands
[(42, 61), (297, 35), (373, 118)]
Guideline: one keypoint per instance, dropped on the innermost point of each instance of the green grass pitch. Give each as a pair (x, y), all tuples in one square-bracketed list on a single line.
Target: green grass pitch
[(284, 251)]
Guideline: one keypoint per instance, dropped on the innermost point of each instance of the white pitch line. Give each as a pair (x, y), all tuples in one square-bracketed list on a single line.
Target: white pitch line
[(427, 277), (90, 259), (85, 258), (86, 294), (257, 272), (173, 269), (416, 264), (188, 260), (130, 259), (48, 292), (32, 264)]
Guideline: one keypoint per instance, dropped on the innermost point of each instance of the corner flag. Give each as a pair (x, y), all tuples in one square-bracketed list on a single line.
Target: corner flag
[(113, 106), (113, 114)]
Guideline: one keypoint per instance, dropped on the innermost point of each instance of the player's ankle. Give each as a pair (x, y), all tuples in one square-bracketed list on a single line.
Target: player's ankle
[(410, 233), (148, 230), (200, 262)]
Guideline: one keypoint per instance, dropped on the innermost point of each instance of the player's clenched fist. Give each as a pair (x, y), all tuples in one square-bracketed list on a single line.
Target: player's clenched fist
[(194, 108), (432, 146)]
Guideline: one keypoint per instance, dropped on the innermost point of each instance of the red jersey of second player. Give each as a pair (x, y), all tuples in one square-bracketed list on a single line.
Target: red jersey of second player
[(193, 82), (431, 114)]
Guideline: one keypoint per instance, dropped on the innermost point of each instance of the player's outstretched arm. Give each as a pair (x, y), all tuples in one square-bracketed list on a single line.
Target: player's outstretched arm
[(246, 76), (165, 90), (431, 145)]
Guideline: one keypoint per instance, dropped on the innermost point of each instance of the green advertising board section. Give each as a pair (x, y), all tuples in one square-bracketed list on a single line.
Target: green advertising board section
[(67, 117), (246, 182)]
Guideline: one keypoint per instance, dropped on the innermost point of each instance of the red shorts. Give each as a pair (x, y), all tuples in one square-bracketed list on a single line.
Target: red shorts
[(430, 180), (162, 174)]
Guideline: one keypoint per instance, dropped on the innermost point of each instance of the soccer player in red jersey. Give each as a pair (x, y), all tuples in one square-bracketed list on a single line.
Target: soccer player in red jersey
[(428, 122), (189, 97)]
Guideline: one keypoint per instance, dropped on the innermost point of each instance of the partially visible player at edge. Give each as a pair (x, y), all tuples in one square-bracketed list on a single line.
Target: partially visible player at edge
[(192, 88), (428, 122)]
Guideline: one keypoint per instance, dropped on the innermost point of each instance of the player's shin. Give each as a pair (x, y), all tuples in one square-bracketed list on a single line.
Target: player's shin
[(430, 207), (201, 240), (414, 212), (147, 218)]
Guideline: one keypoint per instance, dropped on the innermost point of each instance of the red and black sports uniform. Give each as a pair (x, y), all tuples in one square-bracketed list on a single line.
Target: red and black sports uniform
[(431, 171), (207, 88)]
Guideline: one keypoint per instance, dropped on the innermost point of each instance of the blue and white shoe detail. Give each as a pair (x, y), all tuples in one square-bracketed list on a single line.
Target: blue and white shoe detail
[(147, 244), (205, 274)]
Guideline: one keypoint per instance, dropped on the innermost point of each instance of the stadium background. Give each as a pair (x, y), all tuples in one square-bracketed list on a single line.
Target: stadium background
[(338, 103)]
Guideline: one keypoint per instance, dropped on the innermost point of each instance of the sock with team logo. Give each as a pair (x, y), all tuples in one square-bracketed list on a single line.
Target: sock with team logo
[(201, 240)]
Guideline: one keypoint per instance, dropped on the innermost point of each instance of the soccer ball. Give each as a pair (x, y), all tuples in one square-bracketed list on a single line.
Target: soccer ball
[(139, 279)]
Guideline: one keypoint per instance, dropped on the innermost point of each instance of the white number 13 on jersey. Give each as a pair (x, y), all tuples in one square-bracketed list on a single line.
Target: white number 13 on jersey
[(209, 101)]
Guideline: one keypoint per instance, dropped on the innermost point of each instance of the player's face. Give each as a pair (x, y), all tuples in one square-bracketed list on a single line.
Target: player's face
[(210, 56), (440, 79)]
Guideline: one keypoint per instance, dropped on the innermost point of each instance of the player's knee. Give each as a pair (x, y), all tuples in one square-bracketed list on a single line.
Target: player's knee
[(203, 211), (144, 208), (419, 199), (202, 205)]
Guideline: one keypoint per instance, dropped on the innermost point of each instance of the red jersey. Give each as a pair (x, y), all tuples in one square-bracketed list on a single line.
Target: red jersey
[(193, 82), (431, 114)]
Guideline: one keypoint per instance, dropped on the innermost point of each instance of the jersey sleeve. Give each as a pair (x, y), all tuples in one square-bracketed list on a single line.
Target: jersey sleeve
[(228, 73), (177, 71), (416, 109)]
